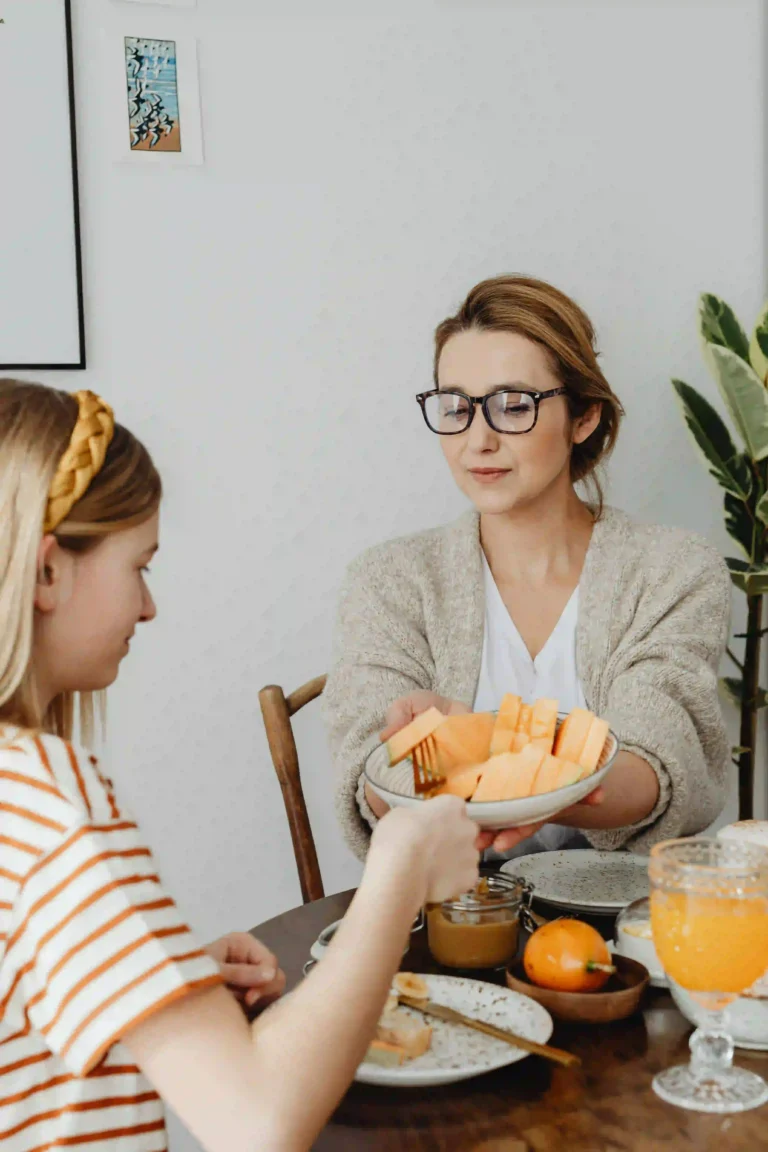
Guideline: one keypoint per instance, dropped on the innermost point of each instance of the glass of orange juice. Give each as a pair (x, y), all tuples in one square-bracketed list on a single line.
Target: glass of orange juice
[(709, 918)]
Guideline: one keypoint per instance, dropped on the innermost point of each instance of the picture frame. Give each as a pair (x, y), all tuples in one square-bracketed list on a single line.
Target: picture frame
[(42, 314), (165, 3), (151, 94)]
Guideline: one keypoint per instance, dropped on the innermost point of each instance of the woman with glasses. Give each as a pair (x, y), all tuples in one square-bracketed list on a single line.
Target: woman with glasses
[(537, 591)]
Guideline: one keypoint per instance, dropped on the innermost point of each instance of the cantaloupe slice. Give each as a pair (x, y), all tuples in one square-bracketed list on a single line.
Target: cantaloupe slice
[(495, 779), (403, 742), (526, 765), (544, 723), (554, 774), (463, 741), (572, 735), (524, 719), (462, 783), (519, 741), (509, 776), (506, 722), (589, 757)]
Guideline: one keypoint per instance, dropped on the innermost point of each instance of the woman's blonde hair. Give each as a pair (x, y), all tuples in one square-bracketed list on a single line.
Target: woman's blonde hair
[(36, 425), (547, 316)]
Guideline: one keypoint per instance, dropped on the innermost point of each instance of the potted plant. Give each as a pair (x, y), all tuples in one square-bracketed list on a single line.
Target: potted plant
[(740, 368)]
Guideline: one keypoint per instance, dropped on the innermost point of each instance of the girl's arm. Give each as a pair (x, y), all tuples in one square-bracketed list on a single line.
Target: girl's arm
[(272, 1085)]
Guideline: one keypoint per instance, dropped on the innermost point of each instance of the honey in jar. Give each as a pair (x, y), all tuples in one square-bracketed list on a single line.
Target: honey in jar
[(479, 929)]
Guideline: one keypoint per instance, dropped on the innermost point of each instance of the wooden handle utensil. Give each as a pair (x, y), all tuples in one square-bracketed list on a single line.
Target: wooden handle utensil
[(556, 1055)]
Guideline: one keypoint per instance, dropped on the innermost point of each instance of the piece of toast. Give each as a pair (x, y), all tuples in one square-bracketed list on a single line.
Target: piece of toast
[(403, 1031)]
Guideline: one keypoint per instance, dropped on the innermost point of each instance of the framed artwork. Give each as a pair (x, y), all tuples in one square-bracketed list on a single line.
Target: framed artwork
[(42, 322), (153, 97), (168, 3)]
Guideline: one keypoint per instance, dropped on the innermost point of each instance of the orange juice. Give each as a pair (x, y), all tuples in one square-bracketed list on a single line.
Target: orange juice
[(710, 943)]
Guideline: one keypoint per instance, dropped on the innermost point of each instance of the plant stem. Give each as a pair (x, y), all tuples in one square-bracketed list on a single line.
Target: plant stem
[(748, 729), (735, 659)]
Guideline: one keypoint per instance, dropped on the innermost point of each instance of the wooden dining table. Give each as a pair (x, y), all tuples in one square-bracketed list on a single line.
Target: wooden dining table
[(605, 1104)]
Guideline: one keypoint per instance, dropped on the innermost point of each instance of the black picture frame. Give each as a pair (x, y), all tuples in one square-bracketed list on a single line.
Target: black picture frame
[(80, 363)]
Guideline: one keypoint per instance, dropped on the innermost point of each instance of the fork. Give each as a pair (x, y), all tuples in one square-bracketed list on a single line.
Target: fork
[(426, 774)]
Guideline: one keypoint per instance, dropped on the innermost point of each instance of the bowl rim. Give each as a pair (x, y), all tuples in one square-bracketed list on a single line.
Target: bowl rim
[(484, 805), (517, 973)]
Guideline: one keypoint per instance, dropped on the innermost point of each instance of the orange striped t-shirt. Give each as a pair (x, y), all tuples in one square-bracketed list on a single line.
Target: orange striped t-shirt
[(89, 944)]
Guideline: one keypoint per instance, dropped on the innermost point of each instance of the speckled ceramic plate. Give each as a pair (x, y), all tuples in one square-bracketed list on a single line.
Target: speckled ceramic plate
[(395, 787), (458, 1053), (582, 880)]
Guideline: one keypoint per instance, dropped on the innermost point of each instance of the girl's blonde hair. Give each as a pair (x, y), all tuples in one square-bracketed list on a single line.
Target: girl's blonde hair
[(36, 425), (553, 320)]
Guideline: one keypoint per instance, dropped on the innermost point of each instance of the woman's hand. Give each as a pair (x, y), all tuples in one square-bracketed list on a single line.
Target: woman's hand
[(408, 707), (249, 969)]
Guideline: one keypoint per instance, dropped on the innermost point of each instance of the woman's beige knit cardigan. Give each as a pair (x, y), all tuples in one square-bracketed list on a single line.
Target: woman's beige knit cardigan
[(654, 605)]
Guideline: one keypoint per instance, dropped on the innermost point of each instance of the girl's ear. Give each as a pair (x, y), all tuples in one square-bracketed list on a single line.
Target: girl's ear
[(584, 426), (50, 572)]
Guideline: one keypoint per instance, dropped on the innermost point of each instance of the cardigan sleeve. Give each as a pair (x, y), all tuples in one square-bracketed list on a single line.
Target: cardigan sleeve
[(380, 653), (661, 699)]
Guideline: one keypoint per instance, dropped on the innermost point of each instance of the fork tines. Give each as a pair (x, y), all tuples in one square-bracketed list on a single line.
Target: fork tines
[(426, 774)]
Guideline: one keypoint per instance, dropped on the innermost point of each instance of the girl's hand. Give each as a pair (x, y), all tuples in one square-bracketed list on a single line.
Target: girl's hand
[(249, 969)]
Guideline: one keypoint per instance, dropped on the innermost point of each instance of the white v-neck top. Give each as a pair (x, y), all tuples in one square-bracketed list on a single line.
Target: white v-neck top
[(507, 667)]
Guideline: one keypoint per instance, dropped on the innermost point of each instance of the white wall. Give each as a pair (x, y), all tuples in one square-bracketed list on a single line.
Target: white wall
[(264, 321)]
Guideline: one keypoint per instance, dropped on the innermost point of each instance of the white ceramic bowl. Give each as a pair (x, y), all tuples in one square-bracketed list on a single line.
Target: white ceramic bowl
[(746, 1018), (632, 921), (395, 787)]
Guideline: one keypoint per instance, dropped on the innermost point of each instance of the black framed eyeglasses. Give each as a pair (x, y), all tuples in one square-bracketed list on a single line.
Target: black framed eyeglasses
[(511, 411)]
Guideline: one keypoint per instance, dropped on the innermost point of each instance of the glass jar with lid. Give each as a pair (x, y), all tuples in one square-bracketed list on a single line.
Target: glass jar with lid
[(481, 928)]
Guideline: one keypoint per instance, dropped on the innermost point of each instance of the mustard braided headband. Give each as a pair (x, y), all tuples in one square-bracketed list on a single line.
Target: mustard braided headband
[(83, 458)]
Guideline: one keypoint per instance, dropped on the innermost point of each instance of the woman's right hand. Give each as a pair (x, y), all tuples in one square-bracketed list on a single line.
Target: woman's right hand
[(435, 844), (407, 708)]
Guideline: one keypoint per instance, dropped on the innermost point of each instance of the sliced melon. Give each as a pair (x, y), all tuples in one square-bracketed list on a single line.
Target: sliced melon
[(544, 723), (495, 780), (527, 764), (508, 776), (554, 774), (462, 783), (524, 719), (403, 742), (506, 722), (593, 747), (463, 741), (519, 741), (572, 735)]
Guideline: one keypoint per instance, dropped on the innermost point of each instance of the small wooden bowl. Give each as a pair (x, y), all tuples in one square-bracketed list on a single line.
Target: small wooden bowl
[(619, 998)]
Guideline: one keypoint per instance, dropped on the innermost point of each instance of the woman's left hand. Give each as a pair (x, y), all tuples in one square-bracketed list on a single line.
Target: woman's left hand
[(249, 969), (508, 839)]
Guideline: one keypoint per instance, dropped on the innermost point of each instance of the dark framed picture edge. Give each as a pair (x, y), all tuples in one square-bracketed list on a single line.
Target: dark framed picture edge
[(81, 363)]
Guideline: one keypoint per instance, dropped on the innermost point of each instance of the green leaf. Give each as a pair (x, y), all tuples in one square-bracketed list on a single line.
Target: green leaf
[(728, 467), (761, 509), (758, 346), (745, 398), (738, 570), (739, 748), (752, 580), (718, 325), (738, 523), (733, 690)]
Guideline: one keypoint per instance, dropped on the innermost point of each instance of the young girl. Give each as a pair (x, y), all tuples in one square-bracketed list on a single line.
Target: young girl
[(535, 591), (101, 983)]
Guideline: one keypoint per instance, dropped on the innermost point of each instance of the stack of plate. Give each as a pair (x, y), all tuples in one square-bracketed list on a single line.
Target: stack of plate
[(583, 880)]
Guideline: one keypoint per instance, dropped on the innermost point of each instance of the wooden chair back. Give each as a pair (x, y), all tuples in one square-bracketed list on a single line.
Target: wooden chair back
[(277, 709)]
